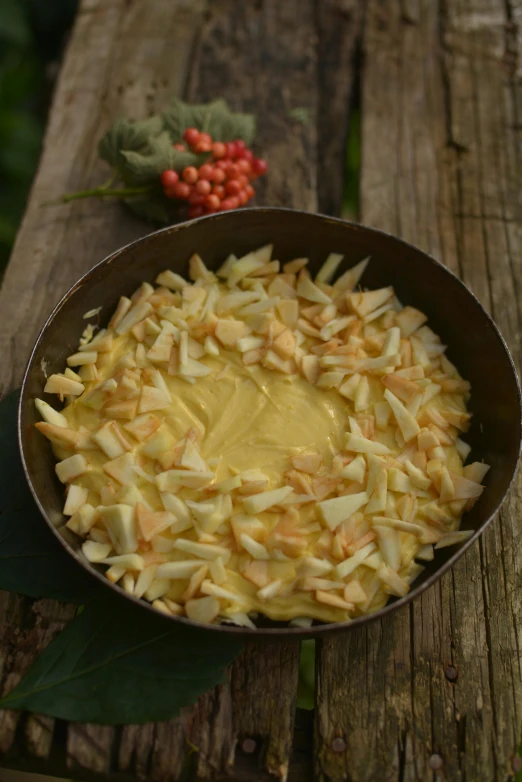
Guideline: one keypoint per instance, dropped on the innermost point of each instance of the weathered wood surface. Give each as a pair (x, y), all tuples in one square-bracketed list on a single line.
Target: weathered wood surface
[(440, 92), (441, 131), (131, 57)]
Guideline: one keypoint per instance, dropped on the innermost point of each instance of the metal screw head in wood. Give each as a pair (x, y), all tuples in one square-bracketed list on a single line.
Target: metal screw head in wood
[(248, 746), (435, 762)]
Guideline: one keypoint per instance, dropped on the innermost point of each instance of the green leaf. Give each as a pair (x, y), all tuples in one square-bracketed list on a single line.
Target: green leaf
[(32, 561), (14, 26), (156, 209), (124, 134), (215, 118), (146, 167), (116, 664)]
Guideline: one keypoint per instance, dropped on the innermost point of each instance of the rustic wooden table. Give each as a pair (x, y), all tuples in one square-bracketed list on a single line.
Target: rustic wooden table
[(434, 691)]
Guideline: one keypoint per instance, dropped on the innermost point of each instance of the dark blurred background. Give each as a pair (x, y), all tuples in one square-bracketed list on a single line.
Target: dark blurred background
[(32, 37)]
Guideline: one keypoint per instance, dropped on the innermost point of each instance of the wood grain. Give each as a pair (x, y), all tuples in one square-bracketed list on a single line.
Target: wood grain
[(129, 57), (434, 691)]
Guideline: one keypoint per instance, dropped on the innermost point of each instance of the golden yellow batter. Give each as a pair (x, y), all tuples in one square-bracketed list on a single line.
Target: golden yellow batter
[(291, 455)]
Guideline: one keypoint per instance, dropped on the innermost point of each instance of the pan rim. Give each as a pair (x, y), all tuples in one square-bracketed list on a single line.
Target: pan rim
[(267, 633)]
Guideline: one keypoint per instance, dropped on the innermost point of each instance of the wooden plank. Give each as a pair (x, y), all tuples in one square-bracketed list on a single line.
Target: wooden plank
[(141, 53), (435, 690)]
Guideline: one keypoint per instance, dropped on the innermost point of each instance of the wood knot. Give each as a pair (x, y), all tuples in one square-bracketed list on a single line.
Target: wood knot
[(451, 673), (248, 746), (338, 744), (435, 762)]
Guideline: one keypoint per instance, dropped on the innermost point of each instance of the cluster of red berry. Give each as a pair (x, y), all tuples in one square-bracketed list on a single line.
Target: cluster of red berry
[(220, 184)]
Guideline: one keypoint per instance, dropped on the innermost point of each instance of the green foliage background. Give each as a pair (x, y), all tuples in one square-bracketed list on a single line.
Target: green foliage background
[(32, 33)]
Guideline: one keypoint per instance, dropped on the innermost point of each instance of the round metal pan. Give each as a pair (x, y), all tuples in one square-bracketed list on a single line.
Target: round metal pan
[(474, 345)]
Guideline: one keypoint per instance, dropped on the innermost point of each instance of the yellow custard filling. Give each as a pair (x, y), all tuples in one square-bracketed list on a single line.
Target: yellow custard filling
[(263, 443)]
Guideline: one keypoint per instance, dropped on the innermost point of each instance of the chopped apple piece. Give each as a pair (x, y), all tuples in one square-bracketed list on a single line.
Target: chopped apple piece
[(288, 310), (350, 278), (261, 502), (306, 289), (143, 426), (255, 549), (95, 552), (71, 468), (348, 566), (152, 398), (409, 320), (161, 350), (454, 538), (270, 591), (354, 593), (228, 332), (83, 520), (49, 414), (203, 609), (307, 462), (396, 585), (111, 440), (365, 303), (151, 523), (120, 523), (202, 550), (338, 509), (284, 344), (76, 498), (79, 359), (136, 313), (407, 423), (363, 445), (171, 280), (63, 386), (327, 271), (172, 480), (67, 438)]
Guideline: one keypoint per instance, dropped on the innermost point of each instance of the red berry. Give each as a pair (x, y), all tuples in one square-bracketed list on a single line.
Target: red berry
[(231, 150), (195, 198), (202, 146), (181, 190), (192, 136), (244, 166), (222, 165), (240, 147), (243, 197), (196, 211), (232, 187), (230, 203), (249, 190), (218, 176), (232, 171), (259, 166), (190, 174), (219, 190), (203, 187), (242, 179), (206, 137), (206, 171), (180, 147), (219, 150), (169, 178), (248, 155), (170, 192), (212, 202)]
